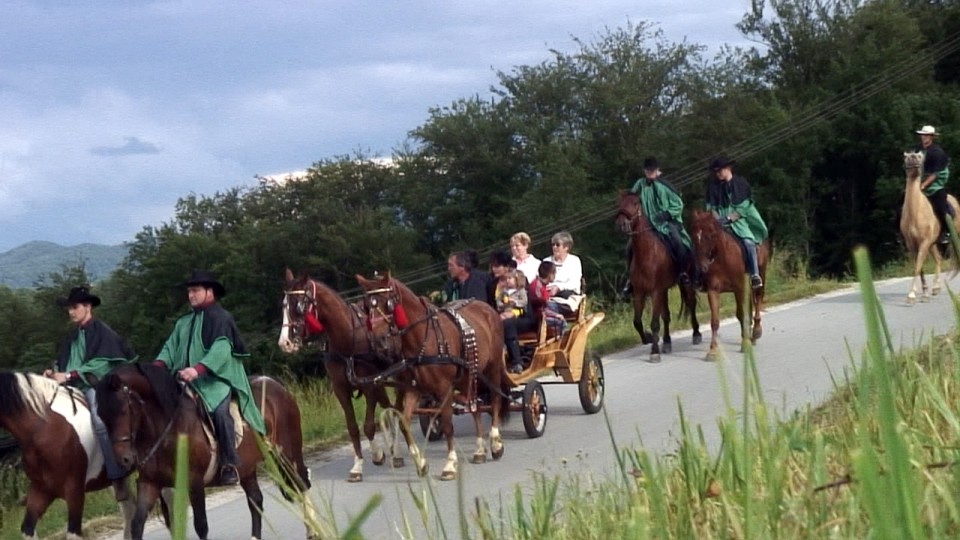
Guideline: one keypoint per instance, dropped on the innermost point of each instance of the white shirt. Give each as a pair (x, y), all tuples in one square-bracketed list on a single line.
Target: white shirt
[(569, 273), (529, 266)]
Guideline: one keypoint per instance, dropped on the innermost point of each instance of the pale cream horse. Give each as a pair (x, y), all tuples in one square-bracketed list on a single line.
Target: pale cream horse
[(920, 227)]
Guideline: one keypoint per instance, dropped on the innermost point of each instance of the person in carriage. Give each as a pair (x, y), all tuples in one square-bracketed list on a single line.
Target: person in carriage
[(730, 199), (566, 287), (91, 348), (205, 351), (466, 281), (663, 206)]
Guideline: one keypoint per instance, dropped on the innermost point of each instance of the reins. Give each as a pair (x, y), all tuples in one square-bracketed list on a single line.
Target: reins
[(132, 439)]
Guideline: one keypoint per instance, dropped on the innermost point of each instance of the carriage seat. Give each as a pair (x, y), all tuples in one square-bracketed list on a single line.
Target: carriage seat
[(547, 333)]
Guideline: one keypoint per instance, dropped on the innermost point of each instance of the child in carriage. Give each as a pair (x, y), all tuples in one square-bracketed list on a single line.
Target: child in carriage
[(539, 297), (511, 294)]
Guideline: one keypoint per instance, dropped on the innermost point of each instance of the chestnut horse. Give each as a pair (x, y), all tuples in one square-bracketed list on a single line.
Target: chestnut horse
[(61, 457), (723, 269), (145, 409), (652, 273), (443, 351), (311, 308), (920, 227)]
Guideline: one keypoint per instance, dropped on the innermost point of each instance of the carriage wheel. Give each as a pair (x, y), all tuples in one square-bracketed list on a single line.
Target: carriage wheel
[(591, 383), (534, 409), (430, 423)]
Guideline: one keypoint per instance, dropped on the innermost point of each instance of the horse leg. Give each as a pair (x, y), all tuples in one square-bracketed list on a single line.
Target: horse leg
[(757, 306), (342, 392), (665, 315), (74, 500), (378, 456), (392, 434), (480, 454), (690, 298), (449, 471), (740, 296), (938, 260), (713, 298), (147, 495), (411, 399), (37, 503), (496, 401), (656, 309), (254, 502), (639, 304), (199, 505)]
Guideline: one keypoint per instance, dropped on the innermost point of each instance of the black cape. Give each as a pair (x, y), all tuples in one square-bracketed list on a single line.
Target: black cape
[(101, 340)]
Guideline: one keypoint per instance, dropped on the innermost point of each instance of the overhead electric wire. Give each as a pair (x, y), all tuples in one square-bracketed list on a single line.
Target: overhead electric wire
[(760, 141)]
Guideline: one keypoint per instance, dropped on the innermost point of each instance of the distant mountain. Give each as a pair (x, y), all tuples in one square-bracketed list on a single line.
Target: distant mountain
[(23, 265)]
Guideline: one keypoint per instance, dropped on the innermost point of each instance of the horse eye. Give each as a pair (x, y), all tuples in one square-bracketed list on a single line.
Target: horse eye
[(373, 301), (389, 305)]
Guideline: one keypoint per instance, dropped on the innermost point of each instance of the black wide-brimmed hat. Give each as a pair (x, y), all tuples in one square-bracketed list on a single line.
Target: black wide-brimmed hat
[(79, 295), (651, 164), (721, 163), (206, 279)]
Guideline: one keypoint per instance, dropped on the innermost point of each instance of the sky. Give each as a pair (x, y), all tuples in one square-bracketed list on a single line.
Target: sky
[(112, 110)]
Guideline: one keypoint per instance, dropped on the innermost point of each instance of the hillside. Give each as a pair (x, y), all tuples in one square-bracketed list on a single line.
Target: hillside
[(23, 265)]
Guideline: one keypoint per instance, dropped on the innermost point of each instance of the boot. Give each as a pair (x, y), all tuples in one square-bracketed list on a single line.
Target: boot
[(226, 438), (756, 282), (513, 352), (229, 475)]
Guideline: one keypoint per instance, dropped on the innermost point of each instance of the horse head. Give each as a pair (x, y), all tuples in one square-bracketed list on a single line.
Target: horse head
[(128, 399), (301, 319), (628, 211), (913, 162), (383, 302), (705, 233)]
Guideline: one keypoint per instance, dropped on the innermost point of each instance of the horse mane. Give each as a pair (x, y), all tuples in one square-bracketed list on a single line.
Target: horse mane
[(26, 391), (165, 388)]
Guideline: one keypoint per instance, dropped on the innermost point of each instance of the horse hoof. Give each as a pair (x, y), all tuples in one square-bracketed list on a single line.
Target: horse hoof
[(697, 339), (935, 291), (355, 477), (646, 339), (422, 471), (757, 334), (497, 454), (925, 298), (448, 475), (479, 458), (398, 462), (654, 358), (712, 356), (379, 461)]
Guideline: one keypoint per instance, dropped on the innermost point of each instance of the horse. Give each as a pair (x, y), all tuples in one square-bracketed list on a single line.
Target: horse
[(145, 408), (720, 257), (61, 456), (309, 308), (443, 351), (652, 274), (920, 227)]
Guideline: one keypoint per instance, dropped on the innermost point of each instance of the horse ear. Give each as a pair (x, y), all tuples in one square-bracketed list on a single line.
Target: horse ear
[(287, 275)]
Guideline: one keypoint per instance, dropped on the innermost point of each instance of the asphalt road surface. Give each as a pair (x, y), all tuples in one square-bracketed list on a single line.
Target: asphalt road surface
[(805, 345)]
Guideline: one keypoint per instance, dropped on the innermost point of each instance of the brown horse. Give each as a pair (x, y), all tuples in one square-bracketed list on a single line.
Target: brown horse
[(652, 273), (309, 308), (445, 351), (61, 457), (720, 257), (145, 409), (920, 227)]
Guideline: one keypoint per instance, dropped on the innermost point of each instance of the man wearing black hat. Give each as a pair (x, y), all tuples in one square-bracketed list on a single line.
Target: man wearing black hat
[(730, 199), (205, 350), (663, 206), (91, 348)]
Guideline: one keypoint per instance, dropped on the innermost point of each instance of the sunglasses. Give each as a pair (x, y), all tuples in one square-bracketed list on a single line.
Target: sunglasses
[(556, 244)]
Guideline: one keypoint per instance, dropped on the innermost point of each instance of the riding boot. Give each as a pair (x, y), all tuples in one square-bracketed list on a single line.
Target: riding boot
[(226, 438), (679, 252), (114, 472), (754, 268)]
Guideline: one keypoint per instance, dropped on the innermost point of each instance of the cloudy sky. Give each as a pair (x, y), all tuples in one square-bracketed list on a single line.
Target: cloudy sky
[(111, 110)]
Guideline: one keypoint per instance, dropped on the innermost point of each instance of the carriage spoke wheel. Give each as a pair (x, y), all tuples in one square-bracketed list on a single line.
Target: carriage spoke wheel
[(534, 409), (591, 384), (429, 422)]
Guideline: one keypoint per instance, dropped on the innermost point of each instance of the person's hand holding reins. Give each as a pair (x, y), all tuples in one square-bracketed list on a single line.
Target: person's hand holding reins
[(188, 374)]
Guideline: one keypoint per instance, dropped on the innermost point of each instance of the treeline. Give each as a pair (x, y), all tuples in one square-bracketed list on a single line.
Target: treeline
[(818, 115)]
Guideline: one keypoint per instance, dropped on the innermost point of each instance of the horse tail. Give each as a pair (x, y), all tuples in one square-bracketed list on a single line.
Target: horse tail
[(505, 388), (688, 300)]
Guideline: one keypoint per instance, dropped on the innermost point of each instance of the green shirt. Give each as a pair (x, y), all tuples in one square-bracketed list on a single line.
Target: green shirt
[(225, 372), (657, 197)]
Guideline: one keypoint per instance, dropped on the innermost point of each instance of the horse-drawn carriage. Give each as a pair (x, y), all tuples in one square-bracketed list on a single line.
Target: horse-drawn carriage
[(551, 356)]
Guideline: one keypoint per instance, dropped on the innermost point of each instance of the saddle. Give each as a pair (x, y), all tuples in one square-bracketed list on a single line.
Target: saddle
[(206, 421)]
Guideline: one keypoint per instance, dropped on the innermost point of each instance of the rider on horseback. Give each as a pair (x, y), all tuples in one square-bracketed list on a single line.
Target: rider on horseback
[(936, 170), (206, 352), (662, 205), (730, 199), (92, 348)]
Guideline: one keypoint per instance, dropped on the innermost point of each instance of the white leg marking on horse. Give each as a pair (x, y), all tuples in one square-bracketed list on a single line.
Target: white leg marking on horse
[(496, 442)]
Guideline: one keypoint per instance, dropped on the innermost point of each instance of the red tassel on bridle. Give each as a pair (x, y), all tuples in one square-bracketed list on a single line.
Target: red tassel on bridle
[(313, 325), (400, 317)]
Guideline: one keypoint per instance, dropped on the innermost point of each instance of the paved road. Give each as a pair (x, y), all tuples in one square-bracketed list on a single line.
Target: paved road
[(804, 344)]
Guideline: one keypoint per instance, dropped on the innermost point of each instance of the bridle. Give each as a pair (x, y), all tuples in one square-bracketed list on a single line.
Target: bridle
[(131, 437), (711, 254), (383, 309), (306, 302), (633, 220)]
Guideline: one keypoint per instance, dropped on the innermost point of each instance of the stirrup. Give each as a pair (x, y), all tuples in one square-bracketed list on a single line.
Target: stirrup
[(229, 475)]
